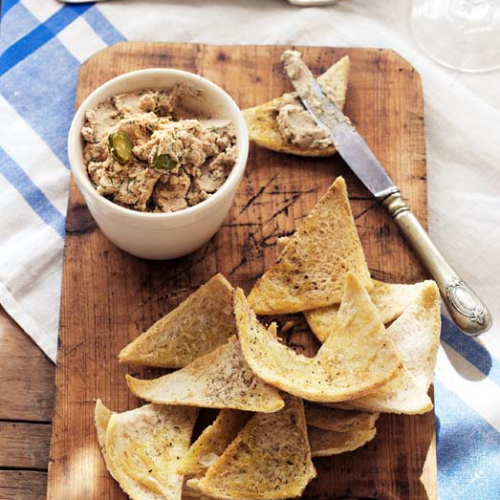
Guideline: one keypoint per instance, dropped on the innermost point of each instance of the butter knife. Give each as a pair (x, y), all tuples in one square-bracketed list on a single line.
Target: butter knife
[(465, 308)]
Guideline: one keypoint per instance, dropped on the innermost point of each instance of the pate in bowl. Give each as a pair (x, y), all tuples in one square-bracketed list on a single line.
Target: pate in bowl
[(158, 155)]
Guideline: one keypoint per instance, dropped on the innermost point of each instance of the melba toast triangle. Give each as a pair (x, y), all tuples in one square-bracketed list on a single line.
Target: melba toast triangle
[(356, 358), (203, 322), (213, 441), (269, 460), (143, 447), (221, 379), (101, 420), (310, 272), (390, 300), (415, 335), (337, 420), (327, 443)]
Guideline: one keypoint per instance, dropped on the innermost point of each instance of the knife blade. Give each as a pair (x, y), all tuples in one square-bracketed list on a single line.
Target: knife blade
[(465, 307), (349, 144)]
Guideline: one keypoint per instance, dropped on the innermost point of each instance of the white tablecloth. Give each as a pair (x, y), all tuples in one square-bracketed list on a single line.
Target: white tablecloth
[(43, 43)]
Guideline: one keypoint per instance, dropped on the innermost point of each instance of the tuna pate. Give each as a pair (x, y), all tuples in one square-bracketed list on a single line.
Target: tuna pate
[(145, 151)]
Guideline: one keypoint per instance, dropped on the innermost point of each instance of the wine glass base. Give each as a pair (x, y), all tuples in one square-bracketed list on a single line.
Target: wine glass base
[(460, 34)]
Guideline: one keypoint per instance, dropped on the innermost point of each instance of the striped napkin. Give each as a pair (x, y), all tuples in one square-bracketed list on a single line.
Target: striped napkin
[(42, 44)]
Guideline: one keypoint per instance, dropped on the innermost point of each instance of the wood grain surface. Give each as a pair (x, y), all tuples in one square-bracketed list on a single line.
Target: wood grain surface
[(23, 485), (109, 297), (24, 445), (27, 376), (26, 403)]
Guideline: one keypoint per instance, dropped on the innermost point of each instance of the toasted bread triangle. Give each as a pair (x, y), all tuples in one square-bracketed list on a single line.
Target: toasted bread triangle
[(327, 443), (143, 447), (220, 379), (415, 335), (337, 420), (356, 358), (401, 394), (262, 124), (389, 299), (269, 460), (203, 322), (101, 420), (310, 272), (213, 441)]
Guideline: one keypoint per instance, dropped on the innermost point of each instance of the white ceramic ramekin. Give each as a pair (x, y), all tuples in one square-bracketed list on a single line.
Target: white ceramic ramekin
[(157, 235)]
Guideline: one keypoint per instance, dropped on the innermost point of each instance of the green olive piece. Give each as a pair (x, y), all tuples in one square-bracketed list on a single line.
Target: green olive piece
[(164, 162), (120, 146)]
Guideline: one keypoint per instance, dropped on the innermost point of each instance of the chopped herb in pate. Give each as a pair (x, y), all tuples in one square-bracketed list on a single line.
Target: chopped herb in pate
[(144, 151)]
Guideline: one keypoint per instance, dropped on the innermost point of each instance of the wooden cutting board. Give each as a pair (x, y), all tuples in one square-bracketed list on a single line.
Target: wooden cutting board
[(109, 297)]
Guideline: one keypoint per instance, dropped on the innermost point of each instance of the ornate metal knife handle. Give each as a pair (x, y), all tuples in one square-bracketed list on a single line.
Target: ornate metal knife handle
[(465, 307)]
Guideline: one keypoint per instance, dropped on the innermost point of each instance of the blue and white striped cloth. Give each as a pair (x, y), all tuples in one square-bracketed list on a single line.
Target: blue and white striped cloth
[(43, 42)]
